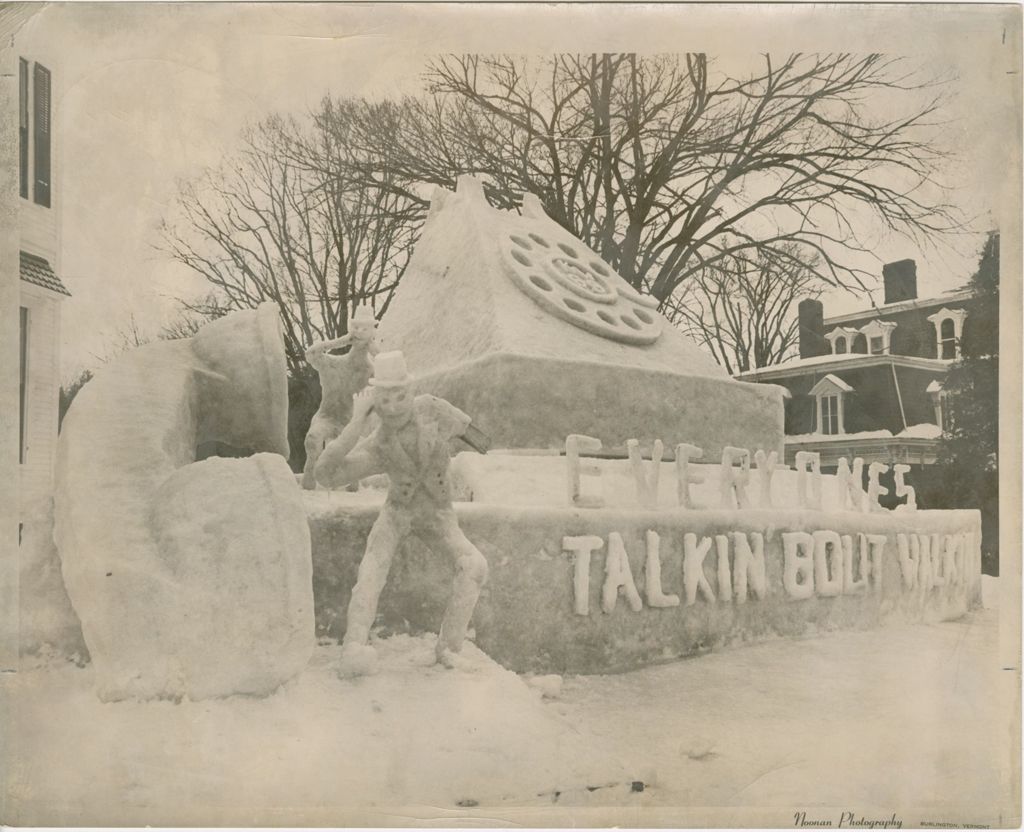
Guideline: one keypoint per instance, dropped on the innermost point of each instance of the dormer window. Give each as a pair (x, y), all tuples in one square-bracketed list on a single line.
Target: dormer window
[(949, 325), (841, 340), (829, 395), (879, 336)]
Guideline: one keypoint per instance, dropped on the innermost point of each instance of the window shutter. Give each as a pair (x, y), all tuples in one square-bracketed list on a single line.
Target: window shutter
[(23, 127), (41, 111)]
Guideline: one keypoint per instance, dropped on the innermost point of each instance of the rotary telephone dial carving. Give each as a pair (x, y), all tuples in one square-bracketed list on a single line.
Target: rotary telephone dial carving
[(575, 285)]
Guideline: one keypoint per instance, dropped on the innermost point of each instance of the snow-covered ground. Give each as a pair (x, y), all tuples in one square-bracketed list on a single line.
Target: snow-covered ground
[(876, 721)]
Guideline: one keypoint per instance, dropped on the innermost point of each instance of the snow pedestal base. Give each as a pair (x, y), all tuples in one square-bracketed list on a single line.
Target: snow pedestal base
[(543, 608), (513, 399)]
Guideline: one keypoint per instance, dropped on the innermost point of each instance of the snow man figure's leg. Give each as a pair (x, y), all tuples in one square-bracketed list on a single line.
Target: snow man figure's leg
[(320, 433), (387, 534), (444, 535)]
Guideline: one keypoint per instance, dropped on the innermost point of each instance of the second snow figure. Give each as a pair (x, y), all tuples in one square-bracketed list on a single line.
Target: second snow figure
[(411, 446)]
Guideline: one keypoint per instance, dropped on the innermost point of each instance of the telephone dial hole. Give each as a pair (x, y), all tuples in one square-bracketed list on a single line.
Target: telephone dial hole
[(539, 240), (540, 283), (643, 316), (519, 241), (608, 319), (522, 258), (571, 252), (601, 270), (574, 305), (628, 321)]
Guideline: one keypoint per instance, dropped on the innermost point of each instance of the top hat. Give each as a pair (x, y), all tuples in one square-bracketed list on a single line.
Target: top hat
[(363, 314), (389, 370)]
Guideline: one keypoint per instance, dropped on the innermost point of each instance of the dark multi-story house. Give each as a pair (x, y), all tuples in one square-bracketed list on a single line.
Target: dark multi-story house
[(870, 384)]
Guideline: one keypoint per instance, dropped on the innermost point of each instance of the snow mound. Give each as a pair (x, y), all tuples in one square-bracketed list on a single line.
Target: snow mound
[(319, 750)]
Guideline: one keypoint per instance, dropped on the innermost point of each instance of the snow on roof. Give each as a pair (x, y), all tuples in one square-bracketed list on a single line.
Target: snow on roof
[(933, 387), (922, 431), (831, 380)]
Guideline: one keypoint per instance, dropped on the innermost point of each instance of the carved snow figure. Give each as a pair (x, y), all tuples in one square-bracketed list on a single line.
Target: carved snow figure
[(341, 377), (191, 578), (411, 446)]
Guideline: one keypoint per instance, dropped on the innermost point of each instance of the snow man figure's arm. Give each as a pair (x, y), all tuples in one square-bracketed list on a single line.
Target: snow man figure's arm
[(451, 421), (318, 351), (345, 460)]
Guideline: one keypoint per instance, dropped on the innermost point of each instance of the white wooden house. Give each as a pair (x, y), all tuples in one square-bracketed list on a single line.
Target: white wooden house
[(31, 255)]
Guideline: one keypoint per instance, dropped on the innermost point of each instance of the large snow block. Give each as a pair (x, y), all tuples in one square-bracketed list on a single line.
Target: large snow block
[(520, 324), (512, 399), (190, 579), (556, 602)]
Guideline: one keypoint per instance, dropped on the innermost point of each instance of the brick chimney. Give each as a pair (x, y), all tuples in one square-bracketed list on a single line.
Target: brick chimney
[(900, 280), (811, 315)]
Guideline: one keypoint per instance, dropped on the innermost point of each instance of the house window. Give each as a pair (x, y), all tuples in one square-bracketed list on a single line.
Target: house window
[(829, 415), (41, 134), (877, 345), (840, 346), (947, 339), (23, 388), (23, 127)]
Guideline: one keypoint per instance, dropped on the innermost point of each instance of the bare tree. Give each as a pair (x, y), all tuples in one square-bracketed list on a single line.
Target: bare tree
[(743, 308), (667, 168), (264, 227)]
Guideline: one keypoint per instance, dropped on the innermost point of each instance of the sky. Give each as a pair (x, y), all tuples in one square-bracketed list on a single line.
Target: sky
[(149, 95)]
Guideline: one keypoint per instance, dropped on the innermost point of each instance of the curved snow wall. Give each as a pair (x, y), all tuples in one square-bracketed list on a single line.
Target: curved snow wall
[(189, 578), (581, 591)]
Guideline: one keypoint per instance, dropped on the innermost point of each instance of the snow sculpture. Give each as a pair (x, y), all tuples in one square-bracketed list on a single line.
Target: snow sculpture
[(766, 465), (411, 446), (341, 377), (852, 584), (904, 490), (909, 547), (749, 566), (581, 547), (733, 481), (851, 494), (808, 461), (497, 300), (828, 563), (693, 568), (618, 576), (646, 486), (798, 564), (190, 578), (574, 444), (876, 489), (684, 476), (724, 576), (656, 597)]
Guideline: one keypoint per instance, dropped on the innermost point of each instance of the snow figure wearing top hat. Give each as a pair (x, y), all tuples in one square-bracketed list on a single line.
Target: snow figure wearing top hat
[(411, 446), (341, 377)]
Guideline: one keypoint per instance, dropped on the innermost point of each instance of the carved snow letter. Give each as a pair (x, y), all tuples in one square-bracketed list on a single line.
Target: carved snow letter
[(798, 564), (875, 489), (724, 575), (851, 584), (851, 490), (684, 476), (618, 575), (576, 443), (904, 490), (733, 481), (828, 552), (910, 558), (646, 486), (748, 565), (766, 464), (693, 568), (581, 548), (808, 463), (652, 575)]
